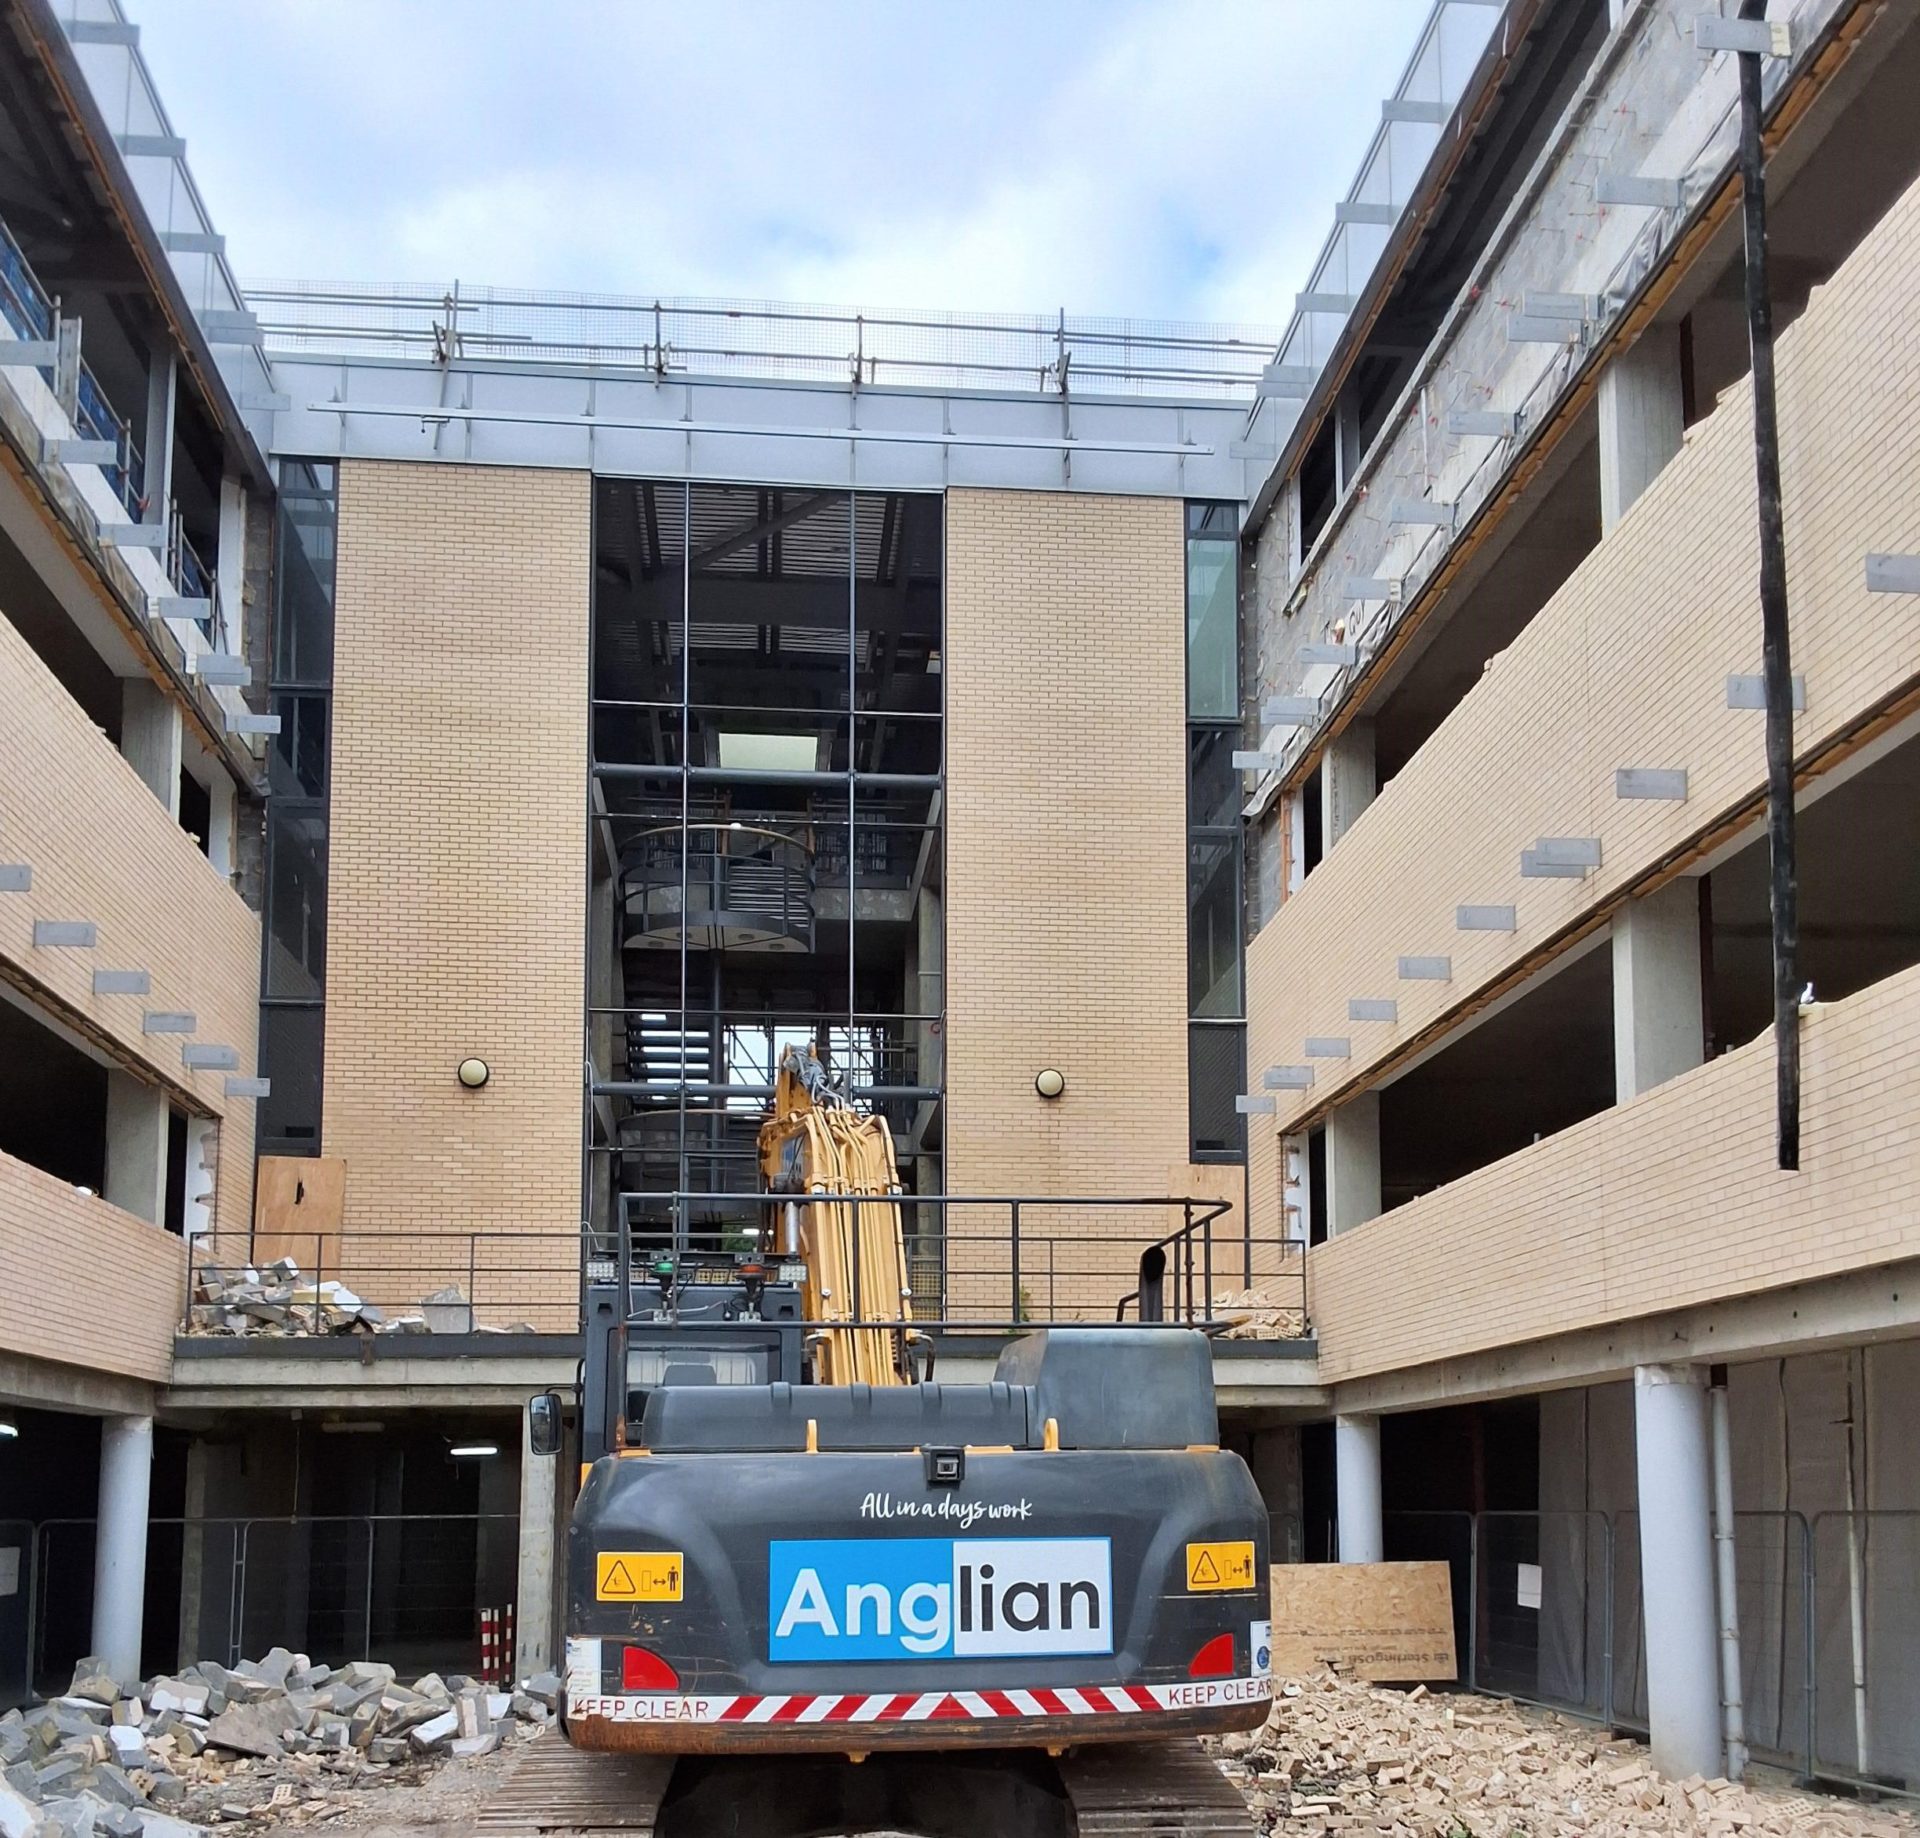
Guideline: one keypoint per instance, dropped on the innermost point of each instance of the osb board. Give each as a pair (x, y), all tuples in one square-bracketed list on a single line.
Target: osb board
[(1372, 1621), (297, 1207)]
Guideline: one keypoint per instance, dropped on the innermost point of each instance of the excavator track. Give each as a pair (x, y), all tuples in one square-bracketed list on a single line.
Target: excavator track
[(1148, 1790), (554, 1787), (1152, 1790)]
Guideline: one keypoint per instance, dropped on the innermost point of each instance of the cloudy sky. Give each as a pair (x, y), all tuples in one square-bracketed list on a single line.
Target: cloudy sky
[(1156, 157)]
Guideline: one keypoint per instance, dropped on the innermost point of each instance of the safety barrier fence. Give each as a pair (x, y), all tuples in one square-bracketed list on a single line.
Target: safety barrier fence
[(997, 1263), (412, 1589), (984, 1264), (1547, 1610)]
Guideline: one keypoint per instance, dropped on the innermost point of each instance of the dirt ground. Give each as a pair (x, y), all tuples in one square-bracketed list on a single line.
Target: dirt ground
[(1335, 1758)]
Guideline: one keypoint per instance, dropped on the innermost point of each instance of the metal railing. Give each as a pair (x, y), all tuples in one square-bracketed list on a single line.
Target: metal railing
[(406, 1588), (1045, 352), (32, 314), (718, 884), (505, 1279), (999, 1263), (1547, 1609)]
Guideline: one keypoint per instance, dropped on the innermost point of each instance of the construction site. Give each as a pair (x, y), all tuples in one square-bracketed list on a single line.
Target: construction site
[(788, 1071)]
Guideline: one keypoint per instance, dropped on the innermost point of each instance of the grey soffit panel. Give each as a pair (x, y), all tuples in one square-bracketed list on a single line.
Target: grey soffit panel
[(1426, 969), (1893, 574), (122, 983), (65, 934), (168, 1021), (1533, 868), (1288, 1078), (1329, 1046), (1370, 1008), (16, 877), (1484, 918), (1568, 851), (1340, 656), (1751, 692), (237, 1087), (1638, 188), (1669, 782), (1254, 1104), (205, 1056)]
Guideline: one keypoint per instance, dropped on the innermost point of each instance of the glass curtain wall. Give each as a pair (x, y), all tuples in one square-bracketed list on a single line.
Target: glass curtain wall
[(294, 975), (765, 829), (1216, 1030)]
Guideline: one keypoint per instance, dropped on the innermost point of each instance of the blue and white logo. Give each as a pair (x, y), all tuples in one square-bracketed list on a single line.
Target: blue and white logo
[(938, 1598)]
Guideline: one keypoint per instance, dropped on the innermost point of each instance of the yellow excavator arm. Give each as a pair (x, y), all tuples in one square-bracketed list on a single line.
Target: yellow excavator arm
[(856, 1257)]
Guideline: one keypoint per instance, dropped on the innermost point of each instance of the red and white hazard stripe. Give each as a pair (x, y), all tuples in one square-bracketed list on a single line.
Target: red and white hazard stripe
[(855, 1707)]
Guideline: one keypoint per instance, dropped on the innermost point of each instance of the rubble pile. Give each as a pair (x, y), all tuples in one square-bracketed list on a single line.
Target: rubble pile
[(1340, 1757), (275, 1739), (1252, 1314), (277, 1301)]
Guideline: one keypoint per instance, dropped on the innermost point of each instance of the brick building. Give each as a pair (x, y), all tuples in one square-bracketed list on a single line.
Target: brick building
[(1331, 756)]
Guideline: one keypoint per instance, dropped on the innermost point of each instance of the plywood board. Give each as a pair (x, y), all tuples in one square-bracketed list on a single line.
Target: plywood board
[(1372, 1621), (298, 1202)]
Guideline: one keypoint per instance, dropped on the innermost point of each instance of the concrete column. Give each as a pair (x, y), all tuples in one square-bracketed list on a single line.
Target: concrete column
[(150, 738), (136, 1147), (1346, 781), (120, 1543), (1353, 1163), (1642, 420), (1672, 1448), (1659, 1025), (1356, 1479), (156, 435), (534, 1633)]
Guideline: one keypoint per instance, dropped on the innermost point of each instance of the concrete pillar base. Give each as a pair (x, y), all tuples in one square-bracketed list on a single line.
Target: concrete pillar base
[(1356, 1472), (1673, 1455), (120, 1544)]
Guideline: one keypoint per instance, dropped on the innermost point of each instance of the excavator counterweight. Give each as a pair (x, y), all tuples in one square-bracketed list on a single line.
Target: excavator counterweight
[(792, 1540)]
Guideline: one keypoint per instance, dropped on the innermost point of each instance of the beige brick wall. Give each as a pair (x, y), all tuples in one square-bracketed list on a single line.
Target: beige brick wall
[(1626, 666), (456, 885), (83, 1282), (102, 849), (1066, 880), (1670, 1200)]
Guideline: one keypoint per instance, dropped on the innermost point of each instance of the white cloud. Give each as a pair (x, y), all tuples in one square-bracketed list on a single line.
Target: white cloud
[(1172, 158)]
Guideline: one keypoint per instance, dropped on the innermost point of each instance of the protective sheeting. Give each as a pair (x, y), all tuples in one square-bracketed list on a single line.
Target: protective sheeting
[(1826, 1473)]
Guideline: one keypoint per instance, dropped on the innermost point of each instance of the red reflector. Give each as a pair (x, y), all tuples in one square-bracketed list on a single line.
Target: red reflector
[(644, 1671), (1214, 1660)]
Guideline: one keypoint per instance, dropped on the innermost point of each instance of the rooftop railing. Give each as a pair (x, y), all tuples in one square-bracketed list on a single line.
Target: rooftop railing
[(1046, 353)]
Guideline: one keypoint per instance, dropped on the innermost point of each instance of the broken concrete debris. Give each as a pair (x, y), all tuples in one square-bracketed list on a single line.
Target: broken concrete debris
[(277, 1300), (214, 1744), (1367, 1761)]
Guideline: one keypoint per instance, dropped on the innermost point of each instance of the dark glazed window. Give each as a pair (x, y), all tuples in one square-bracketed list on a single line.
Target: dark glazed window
[(294, 971), (1216, 1042)]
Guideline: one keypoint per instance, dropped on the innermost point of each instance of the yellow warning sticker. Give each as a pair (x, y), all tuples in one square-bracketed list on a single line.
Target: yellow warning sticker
[(1220, 1566), (642, 1576)]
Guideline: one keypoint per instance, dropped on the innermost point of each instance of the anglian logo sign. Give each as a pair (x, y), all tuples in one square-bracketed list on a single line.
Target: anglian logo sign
[(938, 1598)]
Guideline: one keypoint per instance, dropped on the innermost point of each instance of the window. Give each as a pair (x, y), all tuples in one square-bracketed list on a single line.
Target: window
[(294, 968), (1216, 1035)]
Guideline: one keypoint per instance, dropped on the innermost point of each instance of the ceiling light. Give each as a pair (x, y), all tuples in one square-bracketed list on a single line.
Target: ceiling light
[(8, 1430), (473, 1451)]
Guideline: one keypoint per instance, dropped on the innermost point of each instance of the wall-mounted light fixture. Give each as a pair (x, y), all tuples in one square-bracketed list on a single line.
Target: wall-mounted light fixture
[(474, 1451), (1050, 1082), (473, 1073)]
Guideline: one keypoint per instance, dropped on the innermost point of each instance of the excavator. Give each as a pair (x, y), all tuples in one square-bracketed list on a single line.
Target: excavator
[(810, 1588)]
